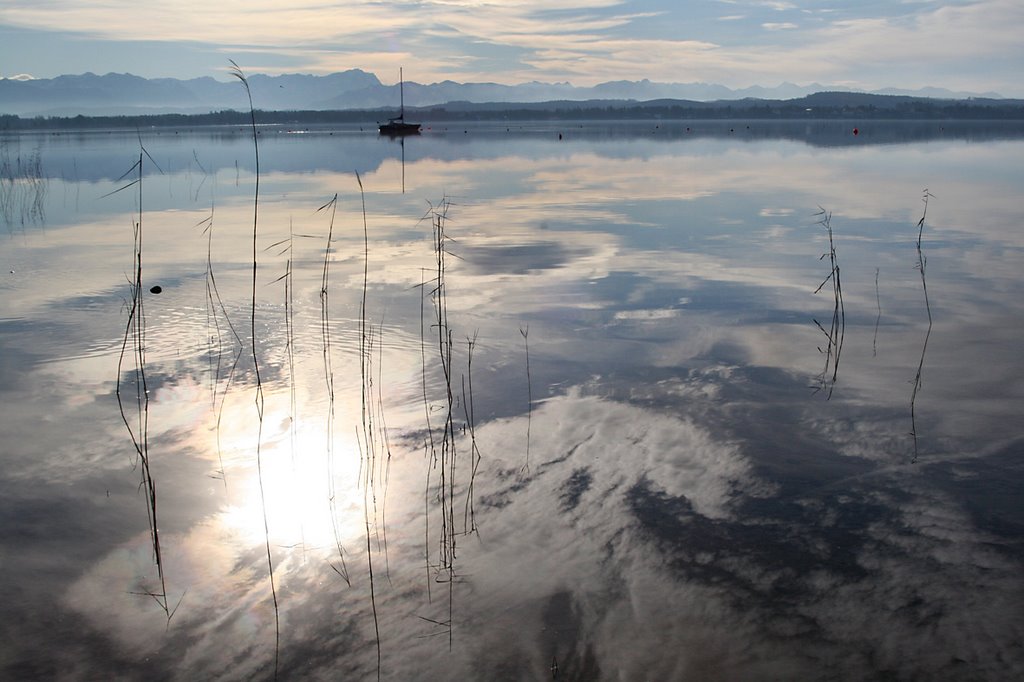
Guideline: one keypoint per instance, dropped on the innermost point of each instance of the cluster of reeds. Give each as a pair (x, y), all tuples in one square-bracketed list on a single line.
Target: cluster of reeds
[(443, 450), (22, 186), (826, 379), (450, 413), (445, 429), (223, 334), (833, 347)]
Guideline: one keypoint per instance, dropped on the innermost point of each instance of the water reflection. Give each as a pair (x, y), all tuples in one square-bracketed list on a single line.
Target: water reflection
[(574, 433), (22, 184)]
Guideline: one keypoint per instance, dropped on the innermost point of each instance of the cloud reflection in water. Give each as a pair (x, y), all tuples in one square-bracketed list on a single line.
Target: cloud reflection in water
[(690, 511)]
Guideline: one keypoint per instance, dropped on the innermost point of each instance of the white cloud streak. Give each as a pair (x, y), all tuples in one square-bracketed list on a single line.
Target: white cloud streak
[(586, 41)]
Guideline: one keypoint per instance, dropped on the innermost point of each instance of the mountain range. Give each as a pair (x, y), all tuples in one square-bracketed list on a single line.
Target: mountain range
[(114, 94)]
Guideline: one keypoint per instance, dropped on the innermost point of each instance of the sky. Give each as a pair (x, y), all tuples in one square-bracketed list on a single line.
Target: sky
[(963, 45)]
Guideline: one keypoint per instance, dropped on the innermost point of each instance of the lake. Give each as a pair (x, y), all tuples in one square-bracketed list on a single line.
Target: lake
[(701, 400)]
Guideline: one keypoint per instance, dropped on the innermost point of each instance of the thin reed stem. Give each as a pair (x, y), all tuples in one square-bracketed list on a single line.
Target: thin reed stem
[(325, 338), (135, 333), (878, 301), (525, 333), (469, 515), (922, 263), (214, 302), (369, 437), (237, 72), (429, 446)]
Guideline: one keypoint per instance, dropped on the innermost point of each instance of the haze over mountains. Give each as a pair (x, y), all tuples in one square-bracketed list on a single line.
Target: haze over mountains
[(111, 94)]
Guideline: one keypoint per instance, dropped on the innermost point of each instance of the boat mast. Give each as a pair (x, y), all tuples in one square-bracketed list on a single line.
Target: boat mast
[(401, 94)]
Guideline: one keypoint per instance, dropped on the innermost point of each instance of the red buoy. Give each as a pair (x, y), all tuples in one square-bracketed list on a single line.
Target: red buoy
[(856, 131)]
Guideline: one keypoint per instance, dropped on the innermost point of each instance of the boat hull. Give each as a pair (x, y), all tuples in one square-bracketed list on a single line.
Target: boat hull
[(398, 128)]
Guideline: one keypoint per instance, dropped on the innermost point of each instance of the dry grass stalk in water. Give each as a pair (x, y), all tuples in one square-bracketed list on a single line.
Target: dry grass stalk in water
[(829, 375), (922, 263), (236, 71)]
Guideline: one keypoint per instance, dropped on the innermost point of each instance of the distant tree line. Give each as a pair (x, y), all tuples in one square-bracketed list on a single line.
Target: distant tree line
[(782, 112), (214, 118), (814, 107)]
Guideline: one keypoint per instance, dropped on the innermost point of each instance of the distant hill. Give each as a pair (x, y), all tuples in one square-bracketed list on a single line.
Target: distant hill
[(124, 94), (819, 107), (822, 105)]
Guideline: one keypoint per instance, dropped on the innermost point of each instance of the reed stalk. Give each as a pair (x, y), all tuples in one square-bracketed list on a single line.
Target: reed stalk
[(525, 333), (135, 337), (369, 438), (325, 339), (878, 319), (469, 516), (922, 263), (215, 303), (259, 401)]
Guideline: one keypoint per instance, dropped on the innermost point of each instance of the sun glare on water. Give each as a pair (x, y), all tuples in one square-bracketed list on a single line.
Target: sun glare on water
[(301, 509)]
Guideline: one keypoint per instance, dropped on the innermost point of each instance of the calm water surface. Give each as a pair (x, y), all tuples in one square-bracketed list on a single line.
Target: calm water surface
[(611, 429)]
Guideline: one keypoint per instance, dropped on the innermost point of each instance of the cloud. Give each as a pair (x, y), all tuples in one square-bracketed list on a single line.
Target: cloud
[(967, 46), (263, 23), (631, 526)]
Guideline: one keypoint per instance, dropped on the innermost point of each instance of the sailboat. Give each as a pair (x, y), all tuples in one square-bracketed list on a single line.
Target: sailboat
[(397, 126)]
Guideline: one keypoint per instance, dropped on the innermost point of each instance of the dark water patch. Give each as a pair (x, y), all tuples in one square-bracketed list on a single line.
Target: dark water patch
[(784, 541), (313, 651), (520, 259), (573, 488), (991, 489), (521, 480), (572, 655), (86, 652)]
